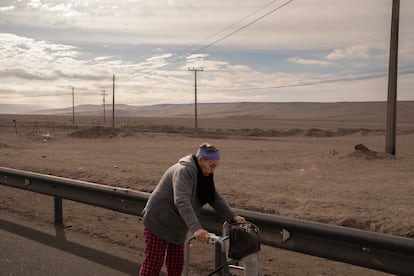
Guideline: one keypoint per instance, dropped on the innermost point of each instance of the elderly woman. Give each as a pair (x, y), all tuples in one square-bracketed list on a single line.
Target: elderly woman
[(173, 208)]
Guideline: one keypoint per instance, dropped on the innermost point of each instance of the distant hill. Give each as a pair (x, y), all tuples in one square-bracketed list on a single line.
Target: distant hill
[(18, 108), (370, 111)]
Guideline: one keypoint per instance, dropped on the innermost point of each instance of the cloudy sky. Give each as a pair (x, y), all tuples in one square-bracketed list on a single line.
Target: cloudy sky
[(252, 50)]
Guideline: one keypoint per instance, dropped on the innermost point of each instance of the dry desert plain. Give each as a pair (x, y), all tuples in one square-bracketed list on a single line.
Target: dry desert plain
[(295, 168)]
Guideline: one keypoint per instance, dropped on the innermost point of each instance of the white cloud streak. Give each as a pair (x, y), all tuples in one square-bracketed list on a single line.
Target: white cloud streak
[(302, 61), (8, 8)]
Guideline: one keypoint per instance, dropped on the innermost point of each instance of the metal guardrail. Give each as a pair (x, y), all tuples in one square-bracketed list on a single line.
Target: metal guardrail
[(391, 254)]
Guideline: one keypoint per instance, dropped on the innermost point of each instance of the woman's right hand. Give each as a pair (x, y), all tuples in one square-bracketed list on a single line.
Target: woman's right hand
[(201, 235)]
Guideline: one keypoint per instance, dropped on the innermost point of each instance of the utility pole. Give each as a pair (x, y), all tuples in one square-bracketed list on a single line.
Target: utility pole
[(195, 96), (104, 113), (73, 105), (392, 80), (113, 101)]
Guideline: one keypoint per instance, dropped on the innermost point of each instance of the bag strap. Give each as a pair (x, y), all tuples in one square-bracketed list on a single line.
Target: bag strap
[(247, 223), (242, 224)]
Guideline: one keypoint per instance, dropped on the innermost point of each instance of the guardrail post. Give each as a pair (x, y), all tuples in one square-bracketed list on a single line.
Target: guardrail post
[(58, 210)]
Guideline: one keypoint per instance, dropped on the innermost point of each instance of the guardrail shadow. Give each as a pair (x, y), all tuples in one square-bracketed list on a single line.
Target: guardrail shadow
[(59, 242)]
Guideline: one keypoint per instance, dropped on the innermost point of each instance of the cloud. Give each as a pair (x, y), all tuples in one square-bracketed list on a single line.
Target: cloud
[(27, 54), (103, 58), (159, 58), (62, 9), (33, 60), (337, 54), (196, 61), (65, 9), (8, 8), (297, 25), (53, 44), (196, 56), (297, 60), (21, 73), (354, 52)]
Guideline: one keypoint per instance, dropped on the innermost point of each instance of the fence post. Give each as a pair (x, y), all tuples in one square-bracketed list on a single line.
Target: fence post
[(58, 210)]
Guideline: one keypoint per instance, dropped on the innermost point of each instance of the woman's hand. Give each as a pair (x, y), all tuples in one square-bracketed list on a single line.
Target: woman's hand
[(201, 235), (238, 219)]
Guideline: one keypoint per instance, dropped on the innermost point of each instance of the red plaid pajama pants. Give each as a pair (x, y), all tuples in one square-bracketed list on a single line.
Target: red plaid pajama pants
[(155, 254)]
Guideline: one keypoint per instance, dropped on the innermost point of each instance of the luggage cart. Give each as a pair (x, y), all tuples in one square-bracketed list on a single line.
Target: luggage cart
[(222, 262)]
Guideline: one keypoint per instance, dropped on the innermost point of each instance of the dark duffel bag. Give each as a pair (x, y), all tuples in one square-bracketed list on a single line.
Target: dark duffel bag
[(244, 239)]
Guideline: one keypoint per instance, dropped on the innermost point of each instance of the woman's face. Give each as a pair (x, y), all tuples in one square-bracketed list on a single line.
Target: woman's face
[(207, 166)]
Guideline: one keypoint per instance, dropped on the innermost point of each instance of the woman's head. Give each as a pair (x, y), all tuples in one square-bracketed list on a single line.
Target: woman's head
[(208, 157)]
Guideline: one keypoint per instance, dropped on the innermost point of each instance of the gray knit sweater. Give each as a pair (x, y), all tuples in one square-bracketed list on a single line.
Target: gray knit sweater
[(173, 207)]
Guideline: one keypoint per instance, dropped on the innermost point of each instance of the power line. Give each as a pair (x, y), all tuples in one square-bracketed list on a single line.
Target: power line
[(230, 26), (372, 37), (221, 38), (407, 70), (311, 83), (308, 83), (241, 28)]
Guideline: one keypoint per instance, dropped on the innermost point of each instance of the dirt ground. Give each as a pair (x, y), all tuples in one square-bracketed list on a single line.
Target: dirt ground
[(309, 173)]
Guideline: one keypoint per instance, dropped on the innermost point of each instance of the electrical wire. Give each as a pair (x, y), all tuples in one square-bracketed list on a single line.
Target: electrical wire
[(183, 95), (298, 84), (311, 83), (228, 27), (241, 28), (223, 37)]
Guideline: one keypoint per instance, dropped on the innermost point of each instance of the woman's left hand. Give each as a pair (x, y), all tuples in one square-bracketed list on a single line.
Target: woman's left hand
[(238, 219)]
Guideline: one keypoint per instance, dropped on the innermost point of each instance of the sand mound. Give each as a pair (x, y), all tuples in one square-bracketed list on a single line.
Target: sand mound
[(362, 151), (100, 132)]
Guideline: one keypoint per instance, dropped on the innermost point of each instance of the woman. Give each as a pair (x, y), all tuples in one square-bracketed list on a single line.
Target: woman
[(173, 208)]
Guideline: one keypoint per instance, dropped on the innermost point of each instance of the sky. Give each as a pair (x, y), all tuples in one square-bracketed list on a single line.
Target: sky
[(243, 51)]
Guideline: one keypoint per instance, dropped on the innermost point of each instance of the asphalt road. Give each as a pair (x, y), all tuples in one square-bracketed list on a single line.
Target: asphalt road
[(25, 251)]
